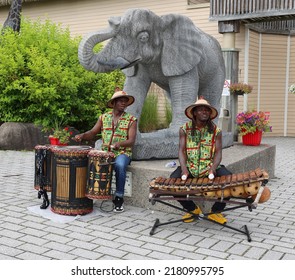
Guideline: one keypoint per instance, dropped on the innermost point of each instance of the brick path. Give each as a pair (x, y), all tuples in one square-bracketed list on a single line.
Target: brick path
[(28, 236)]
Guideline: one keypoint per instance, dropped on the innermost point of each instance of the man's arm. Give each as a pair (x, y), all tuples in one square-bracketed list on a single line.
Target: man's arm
[(90, 134), (218, 154), (182, 153)]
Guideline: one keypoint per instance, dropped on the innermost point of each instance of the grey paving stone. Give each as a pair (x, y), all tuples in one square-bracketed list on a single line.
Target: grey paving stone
[(109, 236)]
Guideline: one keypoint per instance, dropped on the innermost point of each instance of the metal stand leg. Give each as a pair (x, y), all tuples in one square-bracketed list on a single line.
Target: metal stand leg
[(43, 193), (200, 217)]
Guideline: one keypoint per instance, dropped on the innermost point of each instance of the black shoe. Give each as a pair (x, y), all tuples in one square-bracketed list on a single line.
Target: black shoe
[(118, 204)]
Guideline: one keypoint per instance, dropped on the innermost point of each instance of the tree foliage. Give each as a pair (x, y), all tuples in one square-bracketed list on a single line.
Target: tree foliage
[(42, 81)]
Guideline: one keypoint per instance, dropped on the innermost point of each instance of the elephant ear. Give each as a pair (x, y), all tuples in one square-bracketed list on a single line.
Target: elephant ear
[(182, 48)]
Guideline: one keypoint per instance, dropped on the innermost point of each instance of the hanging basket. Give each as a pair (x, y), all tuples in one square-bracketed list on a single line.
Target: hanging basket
[(252, 139)]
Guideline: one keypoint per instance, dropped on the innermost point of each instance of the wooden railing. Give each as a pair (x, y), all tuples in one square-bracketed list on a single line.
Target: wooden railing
[(243, 9)]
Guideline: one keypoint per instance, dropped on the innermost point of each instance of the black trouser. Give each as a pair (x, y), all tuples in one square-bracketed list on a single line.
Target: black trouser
[(189, 205)]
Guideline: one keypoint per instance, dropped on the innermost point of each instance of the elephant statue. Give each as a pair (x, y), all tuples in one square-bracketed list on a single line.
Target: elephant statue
[(167, 50)]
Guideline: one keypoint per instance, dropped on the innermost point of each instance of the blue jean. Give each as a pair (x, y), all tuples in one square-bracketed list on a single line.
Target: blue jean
[(120, 167)]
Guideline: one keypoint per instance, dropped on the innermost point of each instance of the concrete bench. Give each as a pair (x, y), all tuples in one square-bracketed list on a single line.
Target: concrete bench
[(237, 158)]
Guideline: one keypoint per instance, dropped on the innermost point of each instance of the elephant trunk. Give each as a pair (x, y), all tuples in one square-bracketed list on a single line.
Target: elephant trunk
[(88, 59)]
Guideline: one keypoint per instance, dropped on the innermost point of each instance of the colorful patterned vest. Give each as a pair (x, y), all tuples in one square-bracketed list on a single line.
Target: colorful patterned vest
[(200, 149), (111, 134)]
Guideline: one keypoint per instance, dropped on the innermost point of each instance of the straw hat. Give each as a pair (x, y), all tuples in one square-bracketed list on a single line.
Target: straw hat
[(201, 102), (117, 95)]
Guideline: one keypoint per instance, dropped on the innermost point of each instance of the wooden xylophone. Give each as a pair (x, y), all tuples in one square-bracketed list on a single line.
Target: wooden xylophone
[(235, 185)]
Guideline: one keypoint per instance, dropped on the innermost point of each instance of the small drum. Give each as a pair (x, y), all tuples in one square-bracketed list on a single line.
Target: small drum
[(69, 180), (43, 168), (100, 172)]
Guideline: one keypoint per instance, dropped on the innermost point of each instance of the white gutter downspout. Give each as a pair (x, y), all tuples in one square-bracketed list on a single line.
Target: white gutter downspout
[(287, 85), (246, 66), (259, 72)]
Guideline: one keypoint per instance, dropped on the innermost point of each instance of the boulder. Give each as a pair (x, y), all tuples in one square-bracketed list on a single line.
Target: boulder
[(20, 136)]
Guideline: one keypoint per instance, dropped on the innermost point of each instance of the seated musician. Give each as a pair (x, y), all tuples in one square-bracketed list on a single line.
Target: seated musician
[(118, 129), (200, 154)]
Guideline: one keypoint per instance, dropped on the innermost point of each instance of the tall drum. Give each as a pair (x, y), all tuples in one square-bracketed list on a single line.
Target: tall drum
[(43, 168), (69, 180), (100, 172)]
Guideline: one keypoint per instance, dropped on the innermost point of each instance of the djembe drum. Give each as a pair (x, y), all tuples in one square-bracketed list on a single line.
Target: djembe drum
[(100, 172), (69, 180), (43, 168), (43, 173)]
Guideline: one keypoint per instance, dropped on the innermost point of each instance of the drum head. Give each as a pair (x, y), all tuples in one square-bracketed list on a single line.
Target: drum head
[(81, 150), (71, 148)]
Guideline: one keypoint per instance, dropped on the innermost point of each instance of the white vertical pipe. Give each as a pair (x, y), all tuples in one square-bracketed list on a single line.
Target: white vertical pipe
[(246, 65), (287, 85), (259, 72)]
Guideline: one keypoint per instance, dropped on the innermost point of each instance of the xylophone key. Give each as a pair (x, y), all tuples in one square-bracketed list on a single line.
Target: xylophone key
[(216, 183), (253, 176), (188, 182), (194, 182), (199, 181), (177, 182), (172, 181), (228, 179), (258, 172), (158, 180), (240, 177), (166, 182), (265, 175), (246, 177), (234, 180)]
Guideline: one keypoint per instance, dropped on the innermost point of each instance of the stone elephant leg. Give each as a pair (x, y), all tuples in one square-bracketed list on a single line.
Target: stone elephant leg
[(137, 86), (184, 92)]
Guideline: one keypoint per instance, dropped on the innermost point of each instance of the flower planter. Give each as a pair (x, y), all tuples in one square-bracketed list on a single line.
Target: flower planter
[(55, 141), (252, 139), (239, 92)]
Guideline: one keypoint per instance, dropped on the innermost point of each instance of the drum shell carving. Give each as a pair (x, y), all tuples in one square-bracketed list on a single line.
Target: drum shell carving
[(69, 181)]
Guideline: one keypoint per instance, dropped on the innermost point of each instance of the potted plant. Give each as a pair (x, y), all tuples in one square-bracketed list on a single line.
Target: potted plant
[(240, 88), (60, 136), (292, 89), (251, 125)]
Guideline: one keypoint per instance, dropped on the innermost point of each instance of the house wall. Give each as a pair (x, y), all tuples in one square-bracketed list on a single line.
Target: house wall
[(263, 58)]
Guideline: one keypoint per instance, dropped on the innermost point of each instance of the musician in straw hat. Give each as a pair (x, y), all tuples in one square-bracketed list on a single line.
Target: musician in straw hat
[(118, 129), (200, 154)]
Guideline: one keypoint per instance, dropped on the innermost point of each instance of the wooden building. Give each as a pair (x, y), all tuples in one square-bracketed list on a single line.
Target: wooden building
[(261, 31)]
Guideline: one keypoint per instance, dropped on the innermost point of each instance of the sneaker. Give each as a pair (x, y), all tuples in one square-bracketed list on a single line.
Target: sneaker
[(218, 217), (186, 216), (118, 204)]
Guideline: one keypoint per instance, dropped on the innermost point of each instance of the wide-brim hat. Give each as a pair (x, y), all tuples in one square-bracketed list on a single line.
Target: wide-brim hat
[(201, 102), (119, 94)]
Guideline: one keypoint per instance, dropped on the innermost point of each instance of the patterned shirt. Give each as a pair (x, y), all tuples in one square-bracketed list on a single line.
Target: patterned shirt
[(200, 148), (116, 133)]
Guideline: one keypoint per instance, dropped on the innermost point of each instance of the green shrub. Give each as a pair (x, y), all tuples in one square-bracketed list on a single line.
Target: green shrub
[(41, 79)]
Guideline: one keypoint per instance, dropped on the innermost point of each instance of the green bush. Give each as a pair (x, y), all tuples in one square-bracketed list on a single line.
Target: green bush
[(42, 81)]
